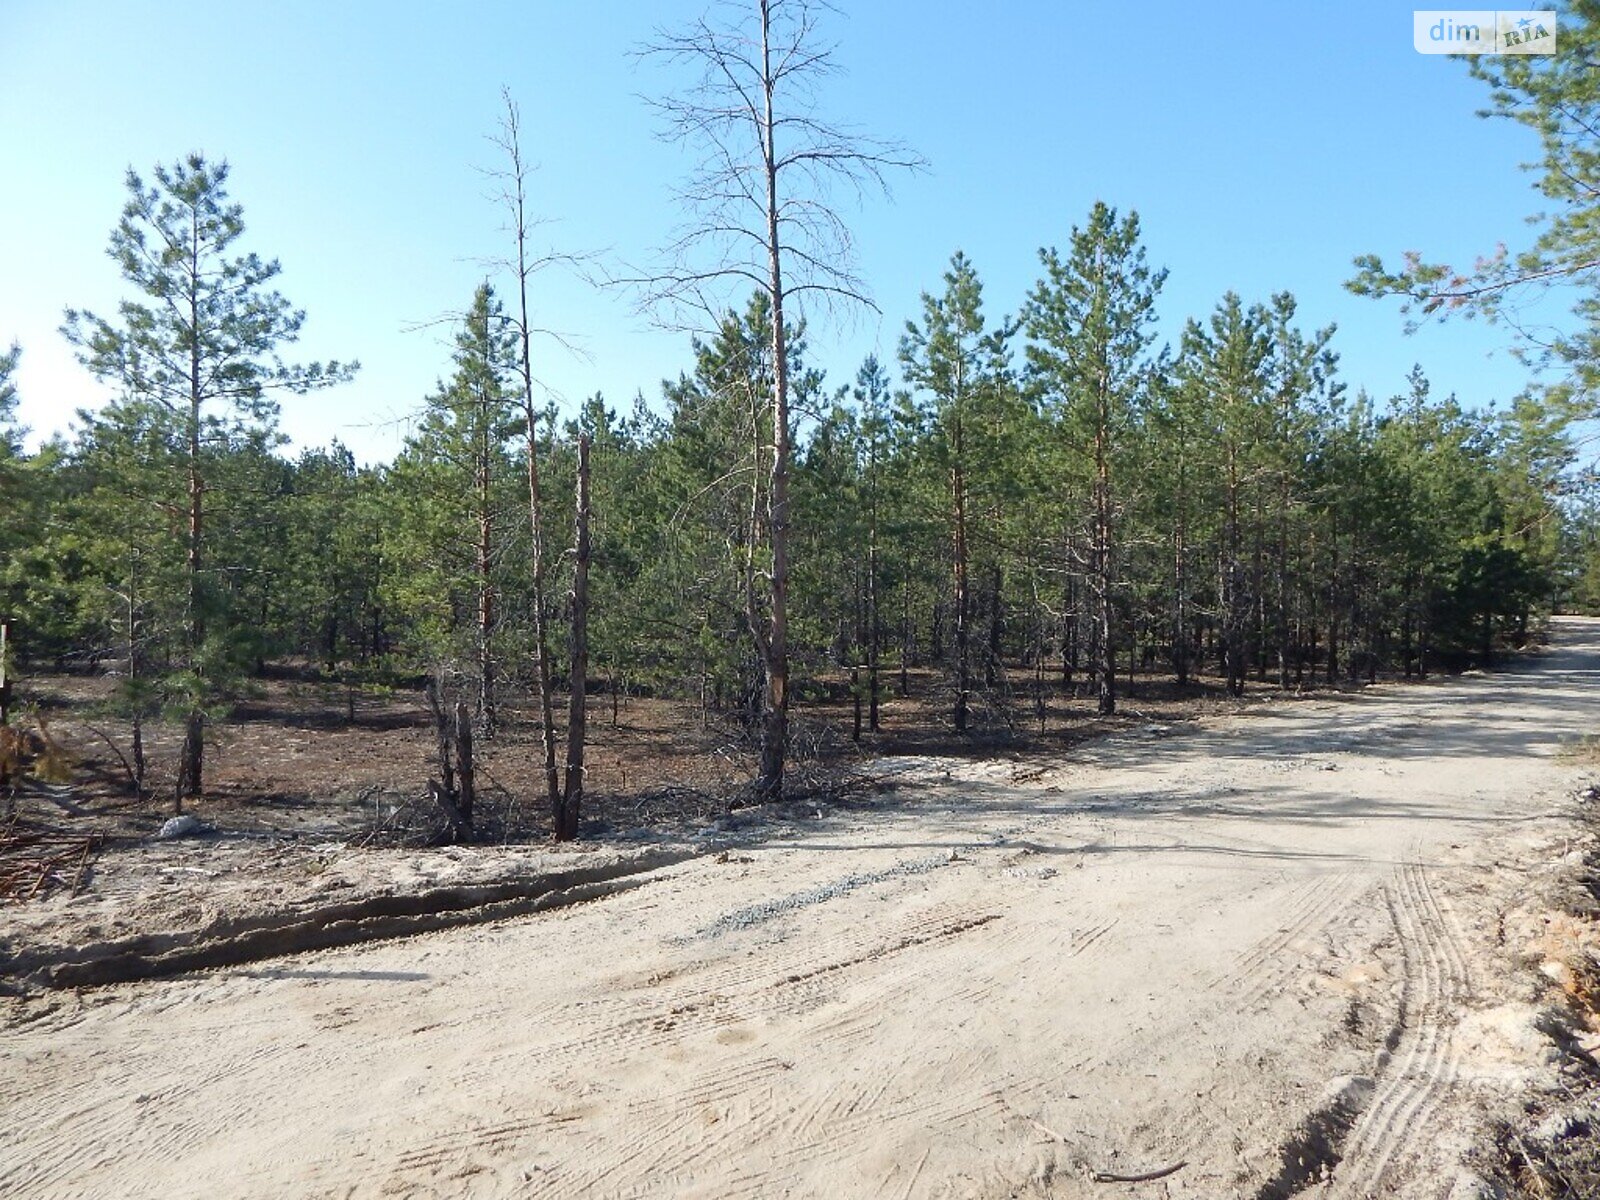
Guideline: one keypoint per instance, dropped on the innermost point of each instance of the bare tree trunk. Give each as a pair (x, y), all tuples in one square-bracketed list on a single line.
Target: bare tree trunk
[(874, 623), (442, 737), (1040, 709), (962, 598), (1101, 556), (1281, 585), (855, 649), (132, 618), (5, 673), (994, 666), (138, 754), (191, 758), (516, 202), (1069, 636), (905, 637), (1333, 607), (1259, 596), (541, 638), (1233, 586), (775, 711), (751, 693), (1181, 578), (466, 780), (485, 550), (578, 653)]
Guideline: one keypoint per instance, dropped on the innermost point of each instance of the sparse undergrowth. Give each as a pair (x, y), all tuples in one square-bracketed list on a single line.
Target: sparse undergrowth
[(1583, 753), (297, 759)]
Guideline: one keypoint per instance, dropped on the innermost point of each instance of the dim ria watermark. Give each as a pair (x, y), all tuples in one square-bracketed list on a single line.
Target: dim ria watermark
[(1470, 31)]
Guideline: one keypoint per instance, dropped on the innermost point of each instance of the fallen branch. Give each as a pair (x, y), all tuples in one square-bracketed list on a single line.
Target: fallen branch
[(1140, 1177), (133, 780), (83, 866), (31, 863)]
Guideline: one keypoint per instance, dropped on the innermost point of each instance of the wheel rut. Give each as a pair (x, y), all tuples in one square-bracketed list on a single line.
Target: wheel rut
[(1414, 1078)]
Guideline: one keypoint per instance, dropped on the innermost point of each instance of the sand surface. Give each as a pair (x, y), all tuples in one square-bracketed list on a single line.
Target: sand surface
[(1273, 949)]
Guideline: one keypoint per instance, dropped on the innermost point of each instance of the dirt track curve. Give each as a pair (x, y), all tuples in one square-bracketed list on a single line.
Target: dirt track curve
[(1261, 950)]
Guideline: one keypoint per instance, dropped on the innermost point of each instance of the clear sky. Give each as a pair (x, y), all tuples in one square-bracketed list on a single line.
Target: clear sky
[(1263, 144)]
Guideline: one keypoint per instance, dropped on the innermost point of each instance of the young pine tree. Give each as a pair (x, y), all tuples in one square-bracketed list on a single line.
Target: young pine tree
[(961, 365), (1089, 327), (201, 340)]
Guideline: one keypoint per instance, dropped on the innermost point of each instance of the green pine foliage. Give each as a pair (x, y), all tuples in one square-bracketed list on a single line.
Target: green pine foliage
[(1035, 507)]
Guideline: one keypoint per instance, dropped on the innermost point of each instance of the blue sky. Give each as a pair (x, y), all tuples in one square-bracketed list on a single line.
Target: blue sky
[(1263, 145)]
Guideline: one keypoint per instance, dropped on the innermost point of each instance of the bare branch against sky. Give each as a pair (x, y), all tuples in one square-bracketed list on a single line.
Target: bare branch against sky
[(752, 119)]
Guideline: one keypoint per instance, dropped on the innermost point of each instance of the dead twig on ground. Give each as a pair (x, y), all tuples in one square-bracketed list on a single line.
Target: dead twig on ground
[(1108, 1176), (1045, 1129), (1138, 1176), (83, 866)]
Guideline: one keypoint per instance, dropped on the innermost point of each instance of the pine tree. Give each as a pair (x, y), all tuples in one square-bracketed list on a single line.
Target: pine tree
[(456, 476), (1089, 328), (961, 364), (203, 345), (871, 396), (1180, 500), (334, 562), (1554, 95), (1302, 392), (125, 507), (11, 433), (1225, 364), (15, 534)]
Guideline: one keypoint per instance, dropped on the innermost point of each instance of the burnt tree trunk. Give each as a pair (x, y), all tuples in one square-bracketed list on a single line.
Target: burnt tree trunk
[(466, 779)]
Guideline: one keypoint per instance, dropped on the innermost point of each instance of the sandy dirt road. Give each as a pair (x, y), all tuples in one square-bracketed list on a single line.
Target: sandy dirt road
[(1263, 949)]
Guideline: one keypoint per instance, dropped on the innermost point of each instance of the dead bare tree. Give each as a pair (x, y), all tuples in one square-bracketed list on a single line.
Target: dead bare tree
[(762, 215), (454, 790), (524, 264), (578, 656)]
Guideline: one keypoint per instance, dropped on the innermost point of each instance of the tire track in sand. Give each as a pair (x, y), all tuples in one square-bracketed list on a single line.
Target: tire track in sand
[(1418, 1075), (669, 1132), (1263, 966)]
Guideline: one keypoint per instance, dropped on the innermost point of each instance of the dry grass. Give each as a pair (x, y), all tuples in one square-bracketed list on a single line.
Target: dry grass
[(1585, 752)]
